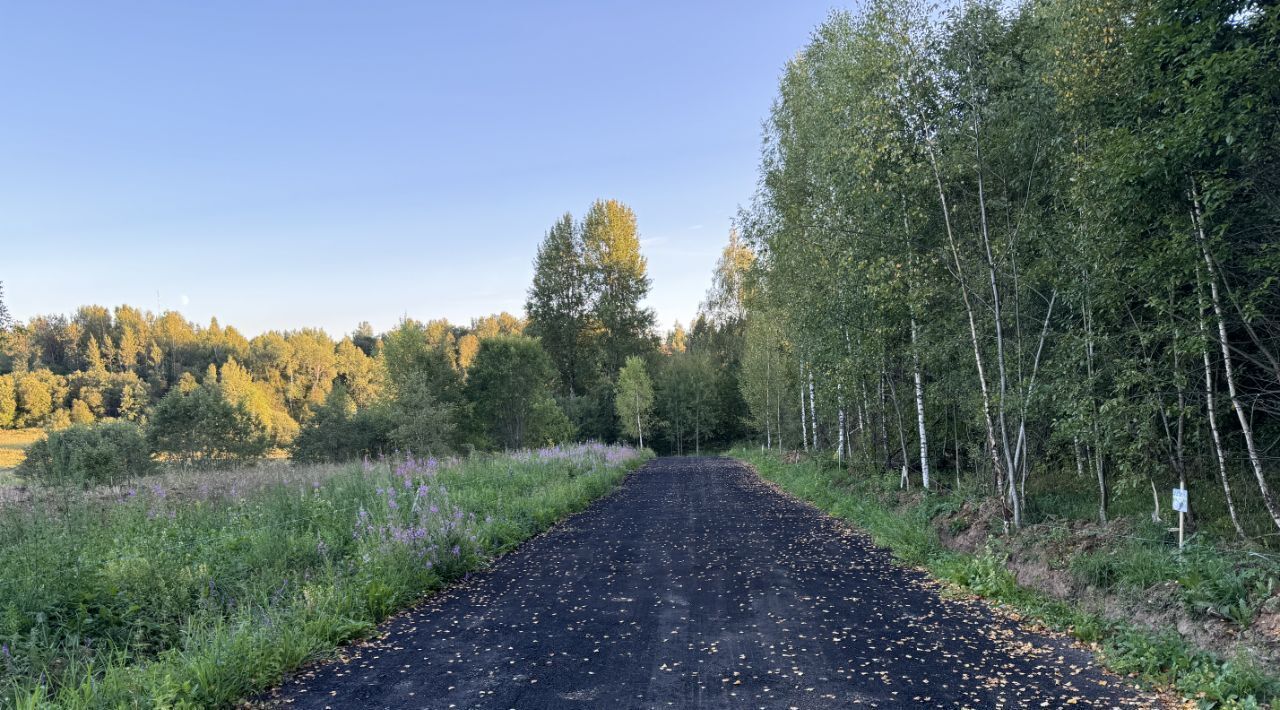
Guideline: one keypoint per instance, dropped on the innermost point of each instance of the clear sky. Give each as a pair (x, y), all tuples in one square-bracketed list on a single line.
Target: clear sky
[(289, 164)]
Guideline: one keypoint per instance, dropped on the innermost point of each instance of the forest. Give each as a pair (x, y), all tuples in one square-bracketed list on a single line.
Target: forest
[(1038, 244)]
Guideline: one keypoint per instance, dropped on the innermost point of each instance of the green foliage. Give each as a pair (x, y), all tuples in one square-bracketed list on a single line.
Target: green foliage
[(984, 574), (37, 393), (619, 280), (559, 305), (1216, 586), (201, 426), (197, 596), (1135, 566), (584, 307), (685, 400), (422, 422), (339, 432), (83, 456), (8, 401), (1018, 239), (634, 399), (510, 385), (6, 321)]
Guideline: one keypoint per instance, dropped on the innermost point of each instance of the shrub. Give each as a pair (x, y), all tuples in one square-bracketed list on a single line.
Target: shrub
[(337, 435), (200, 425), (107, 453)]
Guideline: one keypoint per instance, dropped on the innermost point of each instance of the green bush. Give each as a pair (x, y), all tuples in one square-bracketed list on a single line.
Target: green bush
[(87, 455), (338, 432), (201, 426)]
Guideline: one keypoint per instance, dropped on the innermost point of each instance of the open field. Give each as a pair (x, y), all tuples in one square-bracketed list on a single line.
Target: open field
[(12, 443), (196, 590)]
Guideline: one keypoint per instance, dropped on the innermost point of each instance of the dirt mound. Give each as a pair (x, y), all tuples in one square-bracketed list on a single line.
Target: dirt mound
[(967, 529)]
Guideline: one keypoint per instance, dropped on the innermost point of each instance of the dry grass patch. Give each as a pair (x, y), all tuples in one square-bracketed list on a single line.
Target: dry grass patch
[(13, 442)]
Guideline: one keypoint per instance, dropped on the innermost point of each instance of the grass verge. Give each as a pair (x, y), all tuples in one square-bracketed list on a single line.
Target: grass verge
[(1159, 659), (197, 597)]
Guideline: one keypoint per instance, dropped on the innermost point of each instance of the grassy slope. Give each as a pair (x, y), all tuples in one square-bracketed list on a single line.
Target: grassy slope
[(197, 596), (1159, 658)]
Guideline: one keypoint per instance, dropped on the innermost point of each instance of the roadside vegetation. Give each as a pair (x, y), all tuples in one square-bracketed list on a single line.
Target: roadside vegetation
[(1109, 580), (195, 589)]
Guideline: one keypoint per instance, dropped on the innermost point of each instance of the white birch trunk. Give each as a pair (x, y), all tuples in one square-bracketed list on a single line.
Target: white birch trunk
[(804, 431), (993, 451), (840, 423), (813, 411), (924, 439), (1015, 501), (768, 412), (1211, 409), (1255, 460)]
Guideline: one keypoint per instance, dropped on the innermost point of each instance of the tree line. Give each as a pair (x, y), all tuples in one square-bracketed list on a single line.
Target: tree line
[(1011, 243), (128, 380)]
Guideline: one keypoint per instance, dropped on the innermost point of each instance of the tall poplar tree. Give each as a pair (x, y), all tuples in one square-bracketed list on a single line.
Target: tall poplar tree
[(617, 275)]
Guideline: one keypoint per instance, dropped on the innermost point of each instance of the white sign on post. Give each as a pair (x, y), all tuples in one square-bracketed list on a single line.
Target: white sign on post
[(1180, 500)]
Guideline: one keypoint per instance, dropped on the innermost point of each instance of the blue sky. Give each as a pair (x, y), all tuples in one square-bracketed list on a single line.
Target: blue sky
[(289, 164)]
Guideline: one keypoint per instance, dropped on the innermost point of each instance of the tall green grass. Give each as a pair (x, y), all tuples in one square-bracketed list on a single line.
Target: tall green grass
[(1163, 658), (160, 597)]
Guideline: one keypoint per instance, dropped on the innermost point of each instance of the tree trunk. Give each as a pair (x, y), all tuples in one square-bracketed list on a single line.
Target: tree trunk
[(1211, 409), (804, 431), (768, 412), (1015, 501), (919, 381), (813, 412), (1255, 460), (840, 424), (1099, 464), (993, 451)]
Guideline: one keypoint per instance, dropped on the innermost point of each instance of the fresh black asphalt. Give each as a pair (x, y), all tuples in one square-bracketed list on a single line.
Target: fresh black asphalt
[(696, 585)]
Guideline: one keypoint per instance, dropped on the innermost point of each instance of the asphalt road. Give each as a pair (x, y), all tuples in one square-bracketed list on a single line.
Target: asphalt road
[(697, 586)]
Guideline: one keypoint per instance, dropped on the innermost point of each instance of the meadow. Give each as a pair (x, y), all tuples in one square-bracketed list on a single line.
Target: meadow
[(13, 442), (198, 589)]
